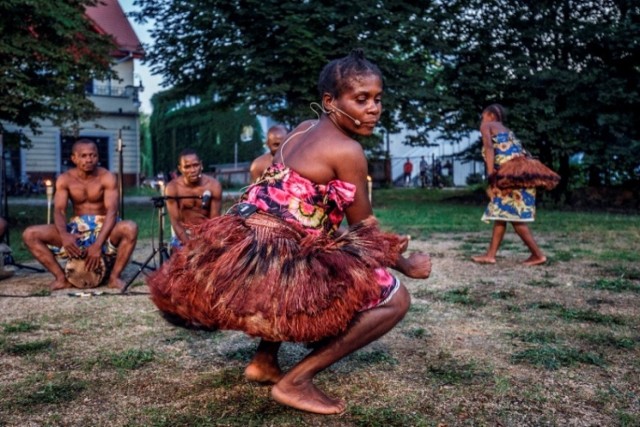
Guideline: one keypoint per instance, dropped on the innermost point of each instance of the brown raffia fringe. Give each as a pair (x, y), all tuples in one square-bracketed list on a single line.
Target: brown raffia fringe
[(272, 280), (527, 172)]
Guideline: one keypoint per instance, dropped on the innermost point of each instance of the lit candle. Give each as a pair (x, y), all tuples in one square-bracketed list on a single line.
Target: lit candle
[(49, 190), (370, 188)]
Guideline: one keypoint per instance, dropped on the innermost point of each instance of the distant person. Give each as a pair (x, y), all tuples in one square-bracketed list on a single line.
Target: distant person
[(192, 197), (275, 136), (437, 174), (93, 230), (516, 206), (407, 169), (423, 172)]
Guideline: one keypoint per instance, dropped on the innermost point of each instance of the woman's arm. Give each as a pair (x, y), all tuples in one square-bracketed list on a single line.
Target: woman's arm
[(351, 166), (487, 143), (416, 265)]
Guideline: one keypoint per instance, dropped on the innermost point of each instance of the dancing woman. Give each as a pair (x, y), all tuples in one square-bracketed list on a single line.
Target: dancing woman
[(516, 206), (277, 267)]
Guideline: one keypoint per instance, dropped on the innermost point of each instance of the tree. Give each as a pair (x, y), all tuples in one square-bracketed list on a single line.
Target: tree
[(268, 54), (567, 69), (180, 122), (49, 50), (146, 147)]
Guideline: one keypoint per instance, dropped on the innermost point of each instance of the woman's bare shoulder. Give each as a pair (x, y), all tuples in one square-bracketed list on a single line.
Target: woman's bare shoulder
[(493, 128), (303, 126), (344, 151)]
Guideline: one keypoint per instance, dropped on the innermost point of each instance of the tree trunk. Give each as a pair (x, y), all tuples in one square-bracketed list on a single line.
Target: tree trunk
[(563, 186)]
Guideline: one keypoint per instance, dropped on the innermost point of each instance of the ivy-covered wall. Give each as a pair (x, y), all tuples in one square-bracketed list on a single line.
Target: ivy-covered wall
[(179, 122)]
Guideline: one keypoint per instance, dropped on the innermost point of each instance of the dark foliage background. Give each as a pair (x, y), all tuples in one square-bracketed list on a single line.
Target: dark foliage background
[(568, 71)]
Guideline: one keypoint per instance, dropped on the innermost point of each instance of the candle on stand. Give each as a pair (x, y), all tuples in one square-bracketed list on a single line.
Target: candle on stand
[(49, 190)]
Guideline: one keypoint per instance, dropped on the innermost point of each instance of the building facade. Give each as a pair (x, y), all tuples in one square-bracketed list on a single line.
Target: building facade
[(116, 130)]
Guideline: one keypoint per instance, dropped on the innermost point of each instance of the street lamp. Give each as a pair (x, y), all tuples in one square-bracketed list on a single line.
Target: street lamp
[(49, 190)]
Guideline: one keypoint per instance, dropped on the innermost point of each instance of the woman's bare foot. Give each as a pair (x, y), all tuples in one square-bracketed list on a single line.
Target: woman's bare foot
[(306, 397), (58, 284), (535, 260), (262, 373), (483, 259)]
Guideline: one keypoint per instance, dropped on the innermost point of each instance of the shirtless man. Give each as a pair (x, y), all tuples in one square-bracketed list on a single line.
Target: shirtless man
[(185, 202), (275, 137), (93, 230)]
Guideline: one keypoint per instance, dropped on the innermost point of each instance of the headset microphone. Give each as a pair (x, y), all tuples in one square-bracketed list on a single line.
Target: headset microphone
[(355, 121), (206, 199)]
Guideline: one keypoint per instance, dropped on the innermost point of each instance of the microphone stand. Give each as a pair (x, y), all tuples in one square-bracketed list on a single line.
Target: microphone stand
[(180, 197), (161, 250)]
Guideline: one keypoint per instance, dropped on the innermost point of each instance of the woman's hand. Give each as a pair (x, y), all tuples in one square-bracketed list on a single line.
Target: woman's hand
[(404, 241), (416, 266)]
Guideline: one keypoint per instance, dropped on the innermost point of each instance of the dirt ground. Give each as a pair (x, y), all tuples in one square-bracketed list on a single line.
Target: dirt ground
[(500, 345)]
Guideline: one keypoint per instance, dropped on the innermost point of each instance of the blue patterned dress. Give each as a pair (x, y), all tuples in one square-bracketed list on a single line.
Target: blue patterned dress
[(509, 204)]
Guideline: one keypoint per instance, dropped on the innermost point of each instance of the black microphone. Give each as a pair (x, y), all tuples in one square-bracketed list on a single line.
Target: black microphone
[(206, 199), (355, 121)]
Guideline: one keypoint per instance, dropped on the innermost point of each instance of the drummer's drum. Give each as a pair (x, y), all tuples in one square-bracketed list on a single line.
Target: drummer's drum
[(78, 275)]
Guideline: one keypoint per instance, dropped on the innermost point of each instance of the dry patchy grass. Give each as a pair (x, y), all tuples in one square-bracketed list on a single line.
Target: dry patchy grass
[(482, 345)]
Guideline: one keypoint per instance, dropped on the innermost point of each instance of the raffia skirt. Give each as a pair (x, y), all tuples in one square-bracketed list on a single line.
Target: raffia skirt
[(271, 279)]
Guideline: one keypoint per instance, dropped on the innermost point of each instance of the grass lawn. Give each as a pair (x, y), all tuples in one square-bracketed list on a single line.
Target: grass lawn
[(482, 345)]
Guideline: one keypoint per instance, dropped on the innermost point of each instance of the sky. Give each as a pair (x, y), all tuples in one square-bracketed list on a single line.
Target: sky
[(151, 83)]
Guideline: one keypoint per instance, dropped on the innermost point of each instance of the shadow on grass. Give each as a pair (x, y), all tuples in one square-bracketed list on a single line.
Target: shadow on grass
[(40, 389), (576, 315), (553, 357)]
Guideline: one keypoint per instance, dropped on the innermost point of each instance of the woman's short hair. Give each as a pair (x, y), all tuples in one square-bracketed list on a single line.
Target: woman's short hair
[(337, 75)]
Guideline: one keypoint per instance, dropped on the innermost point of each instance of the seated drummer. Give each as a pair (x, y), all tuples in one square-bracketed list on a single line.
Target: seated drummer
[(93, 230), (186, 205)]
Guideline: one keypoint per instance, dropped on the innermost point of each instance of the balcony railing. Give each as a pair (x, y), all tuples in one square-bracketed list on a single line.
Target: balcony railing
[(112, 90)]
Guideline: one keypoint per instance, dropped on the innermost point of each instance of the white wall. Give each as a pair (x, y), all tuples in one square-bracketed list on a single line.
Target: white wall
[(400, 152), (118, 113)]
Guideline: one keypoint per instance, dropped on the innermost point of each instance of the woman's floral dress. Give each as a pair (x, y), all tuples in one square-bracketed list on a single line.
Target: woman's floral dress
[(514, 205), (275, 266), (284, 193)]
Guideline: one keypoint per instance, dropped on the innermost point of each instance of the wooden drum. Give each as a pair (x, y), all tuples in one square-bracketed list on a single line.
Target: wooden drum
[(78, 275)]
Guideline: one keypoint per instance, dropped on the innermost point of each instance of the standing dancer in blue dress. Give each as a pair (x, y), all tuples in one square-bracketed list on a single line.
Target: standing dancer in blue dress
[(515, 205)]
